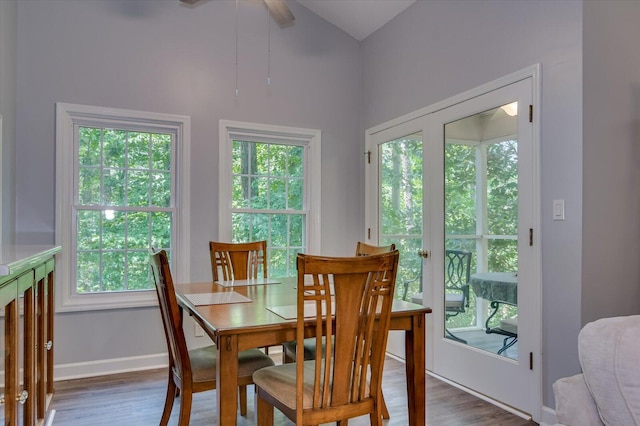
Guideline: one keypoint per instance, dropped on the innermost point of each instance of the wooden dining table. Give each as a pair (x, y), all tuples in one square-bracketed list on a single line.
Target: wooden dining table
[(243, 320)]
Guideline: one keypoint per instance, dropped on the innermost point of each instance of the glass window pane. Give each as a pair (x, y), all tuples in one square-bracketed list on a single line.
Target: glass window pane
[(88, 272), (241, 227), (138, 272), (503, 255), (260, 227), (259, 193), (138, 188), (161, 149), (138, 150), (240, 197), (88, 230), (269, 177), (278, 262), (114, 172), (113, 190), (260, 151), (279, 230), (161, 189), (460, 189), (114, 147), (278, 160), (89, 146), (138, 230), (113, 271), (296, 230), (88, 186), (296, 194), (239, 159), (161, 229), (502, 188), (113, 229), (277, 194), (296, 158)]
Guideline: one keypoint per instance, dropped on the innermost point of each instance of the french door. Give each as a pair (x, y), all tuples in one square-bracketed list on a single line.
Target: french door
[(455, 190)]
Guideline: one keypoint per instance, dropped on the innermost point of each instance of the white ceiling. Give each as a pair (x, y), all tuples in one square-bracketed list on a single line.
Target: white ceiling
[(358, 18)]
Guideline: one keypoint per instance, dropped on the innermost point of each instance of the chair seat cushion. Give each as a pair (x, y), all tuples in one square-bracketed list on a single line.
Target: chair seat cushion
[(204, 362), (280, 382), (509, 325), (453, 301), (608, 350)]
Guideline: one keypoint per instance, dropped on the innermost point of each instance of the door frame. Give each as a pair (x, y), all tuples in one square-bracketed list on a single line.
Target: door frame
[(420, 118)]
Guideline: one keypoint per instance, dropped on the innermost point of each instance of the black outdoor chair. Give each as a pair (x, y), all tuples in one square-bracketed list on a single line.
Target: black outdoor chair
[(457, 273)]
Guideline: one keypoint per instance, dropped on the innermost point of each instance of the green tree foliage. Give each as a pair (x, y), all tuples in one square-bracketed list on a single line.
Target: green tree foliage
[(124, 207), (268, 185)]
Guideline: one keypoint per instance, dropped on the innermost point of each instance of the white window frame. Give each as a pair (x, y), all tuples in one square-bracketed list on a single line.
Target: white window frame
[(68, 116), (254, 132)]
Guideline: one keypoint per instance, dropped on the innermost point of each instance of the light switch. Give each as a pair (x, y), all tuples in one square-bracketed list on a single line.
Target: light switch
[(558, 209)]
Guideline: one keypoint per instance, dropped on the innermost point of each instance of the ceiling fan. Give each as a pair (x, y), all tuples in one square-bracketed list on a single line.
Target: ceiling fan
[(278, 9)]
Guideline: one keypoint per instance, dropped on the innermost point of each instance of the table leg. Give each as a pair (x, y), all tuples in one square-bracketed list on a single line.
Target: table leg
[(415, 368), (227, 380)]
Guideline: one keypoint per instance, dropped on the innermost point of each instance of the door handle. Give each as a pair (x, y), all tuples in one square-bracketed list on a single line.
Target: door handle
[(423, 253)]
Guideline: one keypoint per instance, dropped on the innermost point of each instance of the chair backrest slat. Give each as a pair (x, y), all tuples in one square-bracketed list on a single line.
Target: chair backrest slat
[(362, 288), (238, 261)]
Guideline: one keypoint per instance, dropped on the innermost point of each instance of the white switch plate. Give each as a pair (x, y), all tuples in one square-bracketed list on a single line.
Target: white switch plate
[(558, 209)]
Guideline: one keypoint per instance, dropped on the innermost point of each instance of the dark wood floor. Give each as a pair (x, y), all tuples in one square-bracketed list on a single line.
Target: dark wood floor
[(137, 399)]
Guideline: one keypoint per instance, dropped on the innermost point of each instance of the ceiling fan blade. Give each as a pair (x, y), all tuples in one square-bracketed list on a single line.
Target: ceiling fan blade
[(280, 12), (189, 1)]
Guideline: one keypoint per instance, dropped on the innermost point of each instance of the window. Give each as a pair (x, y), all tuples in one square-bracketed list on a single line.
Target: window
[(271, 177), (120, 191)]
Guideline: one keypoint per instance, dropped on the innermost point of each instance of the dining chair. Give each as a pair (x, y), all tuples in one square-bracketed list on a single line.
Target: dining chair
[(238, 261), (347, 381), (457, 273), (192, 371), (457, 265), (289, 348)]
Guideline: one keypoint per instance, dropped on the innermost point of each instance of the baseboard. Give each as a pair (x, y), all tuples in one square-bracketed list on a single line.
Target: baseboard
[(106, 367)]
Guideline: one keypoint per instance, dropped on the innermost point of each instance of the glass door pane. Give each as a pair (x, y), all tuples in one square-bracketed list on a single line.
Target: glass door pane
[(400, 208), (481, 230)]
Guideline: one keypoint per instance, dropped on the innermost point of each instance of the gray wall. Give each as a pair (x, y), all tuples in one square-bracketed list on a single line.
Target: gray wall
[(611, 156), (437, 49), (8, 69), (590, 134), (158, 55)]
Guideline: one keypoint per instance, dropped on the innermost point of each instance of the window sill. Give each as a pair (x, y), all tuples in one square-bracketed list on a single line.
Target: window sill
[(106, 301)]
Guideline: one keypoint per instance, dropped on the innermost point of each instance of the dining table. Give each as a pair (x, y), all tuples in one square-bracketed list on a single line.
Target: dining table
[(245, 315), (498, 288)]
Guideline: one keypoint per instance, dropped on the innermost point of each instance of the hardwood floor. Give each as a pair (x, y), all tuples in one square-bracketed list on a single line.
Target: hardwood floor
[(137, 399)]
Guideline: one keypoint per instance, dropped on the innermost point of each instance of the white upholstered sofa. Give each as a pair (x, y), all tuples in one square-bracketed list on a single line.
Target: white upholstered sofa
[(607, 392)]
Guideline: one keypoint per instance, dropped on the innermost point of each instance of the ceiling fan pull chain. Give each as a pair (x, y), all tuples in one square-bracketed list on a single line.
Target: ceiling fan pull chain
[(268, 47), (236, 48)]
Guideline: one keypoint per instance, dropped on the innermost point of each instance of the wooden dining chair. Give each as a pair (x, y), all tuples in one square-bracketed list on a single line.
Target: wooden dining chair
[(347, 381), (238, 261), (289, 348), (192, 371), (364, 249)]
